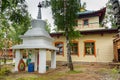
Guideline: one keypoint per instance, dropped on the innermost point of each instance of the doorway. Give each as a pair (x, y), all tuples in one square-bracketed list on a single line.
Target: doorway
[(119, 55)]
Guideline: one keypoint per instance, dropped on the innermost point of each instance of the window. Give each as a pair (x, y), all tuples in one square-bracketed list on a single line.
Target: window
[(90, 47), (74, 48), (85, 22), (60, 46)]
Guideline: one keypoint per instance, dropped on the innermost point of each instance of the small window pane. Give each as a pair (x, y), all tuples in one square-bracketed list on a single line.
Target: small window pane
[(89, 48), (74, 48), (85, 22), (60, 47)]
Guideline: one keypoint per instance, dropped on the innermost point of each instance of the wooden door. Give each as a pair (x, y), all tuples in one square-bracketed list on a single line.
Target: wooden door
[(119, 55)]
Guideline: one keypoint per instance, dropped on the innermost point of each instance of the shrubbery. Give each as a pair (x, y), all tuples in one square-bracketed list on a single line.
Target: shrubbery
[(4, 71)]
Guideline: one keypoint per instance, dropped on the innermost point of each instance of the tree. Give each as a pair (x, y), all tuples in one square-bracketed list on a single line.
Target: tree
[(48, 26), (14, 21), (109, 17), (65, 18), (112, 12), (116, 11), (14, 13)]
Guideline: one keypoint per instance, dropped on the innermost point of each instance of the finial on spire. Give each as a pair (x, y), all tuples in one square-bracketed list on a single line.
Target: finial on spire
[(39, 11), (45, 4)]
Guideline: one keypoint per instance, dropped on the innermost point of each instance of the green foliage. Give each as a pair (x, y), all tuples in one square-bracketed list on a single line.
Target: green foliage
[(14, 10), (65, 15), (48, 27), (109, 17), (114, 71), (4, 71), (65, 18), (10, 3), (15, 20), (74, 72), (74, 34)]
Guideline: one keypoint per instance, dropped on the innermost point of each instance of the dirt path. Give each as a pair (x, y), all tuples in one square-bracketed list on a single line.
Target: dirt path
[(82, 72), (93, 72)]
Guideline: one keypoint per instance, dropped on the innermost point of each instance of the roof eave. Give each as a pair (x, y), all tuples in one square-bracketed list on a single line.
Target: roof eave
[(97, 31)]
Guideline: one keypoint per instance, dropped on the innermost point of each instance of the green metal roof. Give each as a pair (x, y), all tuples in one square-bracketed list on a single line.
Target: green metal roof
[(86, 12)]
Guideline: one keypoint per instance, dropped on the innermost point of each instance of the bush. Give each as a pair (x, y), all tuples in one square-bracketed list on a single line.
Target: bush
[(4, 71), (115, 71)]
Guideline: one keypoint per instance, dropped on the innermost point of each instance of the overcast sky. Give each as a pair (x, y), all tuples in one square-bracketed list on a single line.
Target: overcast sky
[(47, 14)]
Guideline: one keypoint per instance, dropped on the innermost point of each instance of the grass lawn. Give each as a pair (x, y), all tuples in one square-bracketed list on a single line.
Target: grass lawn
[(81, 72)]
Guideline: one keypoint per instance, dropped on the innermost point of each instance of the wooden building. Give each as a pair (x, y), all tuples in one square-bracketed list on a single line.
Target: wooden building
[(116, 43), (95, 44)]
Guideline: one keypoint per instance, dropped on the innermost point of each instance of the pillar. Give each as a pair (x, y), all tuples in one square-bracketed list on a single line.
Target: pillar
[(33, 59), (53, 59), (35, 68), (42, 61), (18, 56)]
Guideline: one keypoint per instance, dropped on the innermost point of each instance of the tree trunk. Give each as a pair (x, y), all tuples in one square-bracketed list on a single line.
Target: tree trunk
[(0, 63), (69, 59), (6, 46)]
